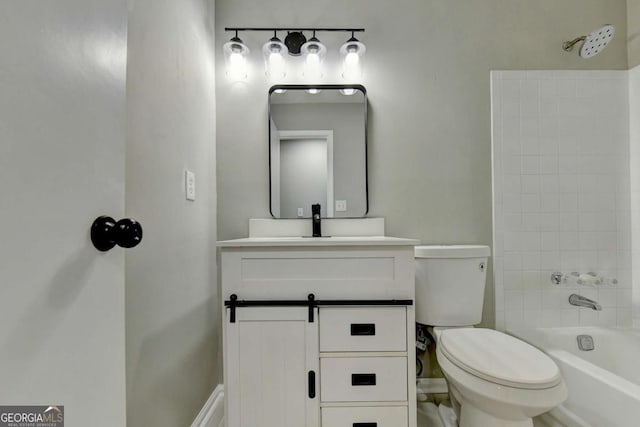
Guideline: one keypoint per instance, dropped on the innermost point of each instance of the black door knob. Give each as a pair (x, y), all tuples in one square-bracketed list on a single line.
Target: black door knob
[(106, 233)]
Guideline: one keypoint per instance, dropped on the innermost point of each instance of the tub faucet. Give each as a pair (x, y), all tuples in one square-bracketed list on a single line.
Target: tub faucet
[(580, 301), (315, 220)]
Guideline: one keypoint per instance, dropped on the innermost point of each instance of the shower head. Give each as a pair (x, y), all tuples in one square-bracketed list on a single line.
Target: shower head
[(594, 43)]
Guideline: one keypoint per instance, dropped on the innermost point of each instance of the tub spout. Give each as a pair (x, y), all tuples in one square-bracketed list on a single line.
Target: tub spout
[(580, 301)]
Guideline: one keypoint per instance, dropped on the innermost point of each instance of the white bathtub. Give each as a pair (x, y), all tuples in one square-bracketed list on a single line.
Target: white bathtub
[(604, 384)]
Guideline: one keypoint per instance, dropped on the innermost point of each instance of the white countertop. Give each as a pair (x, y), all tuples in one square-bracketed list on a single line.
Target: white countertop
[(318, 241)]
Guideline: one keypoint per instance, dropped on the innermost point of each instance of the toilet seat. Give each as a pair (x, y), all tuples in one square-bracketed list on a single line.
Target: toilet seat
[(499, 358)]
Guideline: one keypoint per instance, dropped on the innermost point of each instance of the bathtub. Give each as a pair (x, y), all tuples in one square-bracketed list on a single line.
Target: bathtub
[(604, 383)]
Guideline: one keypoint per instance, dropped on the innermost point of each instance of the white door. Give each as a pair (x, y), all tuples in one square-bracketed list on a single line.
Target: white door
[(271, 363), (62, 142)]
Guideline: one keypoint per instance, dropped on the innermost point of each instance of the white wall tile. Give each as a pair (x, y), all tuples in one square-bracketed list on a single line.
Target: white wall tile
[(549, 89), (623, 317), (549, 241), (561, 166), (588, 317), (550, 260), (530, 262), (551, 317), (530, 165), (512, 261), (532, 300), (608, 317), (511, 184), (608, 297), (549, 166), (570, 317), (552, 299)]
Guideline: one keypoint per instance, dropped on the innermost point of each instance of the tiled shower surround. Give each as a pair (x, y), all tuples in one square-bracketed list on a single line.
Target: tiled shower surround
[(561, 185)]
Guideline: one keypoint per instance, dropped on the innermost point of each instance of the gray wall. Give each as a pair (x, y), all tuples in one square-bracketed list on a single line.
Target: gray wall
[(633, 31), (427, 78), (302, 158), (172, 321)]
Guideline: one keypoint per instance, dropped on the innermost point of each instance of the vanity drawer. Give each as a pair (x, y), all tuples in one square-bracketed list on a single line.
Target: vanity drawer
[(385, 416), (363, 329), (362, 379)]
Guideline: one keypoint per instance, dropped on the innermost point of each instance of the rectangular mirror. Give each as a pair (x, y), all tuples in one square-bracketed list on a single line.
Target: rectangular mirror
[(318, 150)]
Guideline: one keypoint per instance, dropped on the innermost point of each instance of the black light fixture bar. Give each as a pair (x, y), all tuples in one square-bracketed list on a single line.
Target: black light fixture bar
[(347, 30)]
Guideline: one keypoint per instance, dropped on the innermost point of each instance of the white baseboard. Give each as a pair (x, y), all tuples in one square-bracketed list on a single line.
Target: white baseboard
[(212, 413)]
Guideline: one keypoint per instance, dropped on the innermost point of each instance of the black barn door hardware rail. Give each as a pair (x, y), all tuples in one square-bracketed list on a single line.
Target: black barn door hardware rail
[(233, 303)]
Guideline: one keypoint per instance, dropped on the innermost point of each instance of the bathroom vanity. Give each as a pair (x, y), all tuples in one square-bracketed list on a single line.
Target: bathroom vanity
[(319, 332)]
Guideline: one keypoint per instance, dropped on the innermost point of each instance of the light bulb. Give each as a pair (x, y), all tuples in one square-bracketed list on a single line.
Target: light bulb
[(273, 51), (352, 52), (276, 65), (235, 54), (352, 59), (314, 52), (237, 66)]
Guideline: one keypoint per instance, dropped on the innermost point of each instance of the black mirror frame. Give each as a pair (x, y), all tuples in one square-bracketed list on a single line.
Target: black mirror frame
[(362, 89)]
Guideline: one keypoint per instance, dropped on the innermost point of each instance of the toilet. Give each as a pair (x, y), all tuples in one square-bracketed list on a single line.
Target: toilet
[(494, 379)]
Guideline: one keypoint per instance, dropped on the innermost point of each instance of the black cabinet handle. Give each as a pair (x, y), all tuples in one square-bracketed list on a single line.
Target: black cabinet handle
[(363, 379), (312, 384), (363, 329), (365, 424), (106, 233)]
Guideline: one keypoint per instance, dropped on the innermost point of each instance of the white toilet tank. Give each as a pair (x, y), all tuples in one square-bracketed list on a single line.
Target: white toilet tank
[(450, 284)]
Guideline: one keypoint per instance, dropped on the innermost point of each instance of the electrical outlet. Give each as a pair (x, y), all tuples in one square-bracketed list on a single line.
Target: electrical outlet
[(341, 205), (190, 185), (300, 212)]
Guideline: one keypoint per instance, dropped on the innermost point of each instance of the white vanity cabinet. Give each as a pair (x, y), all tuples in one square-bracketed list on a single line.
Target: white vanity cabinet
[(319, 332)]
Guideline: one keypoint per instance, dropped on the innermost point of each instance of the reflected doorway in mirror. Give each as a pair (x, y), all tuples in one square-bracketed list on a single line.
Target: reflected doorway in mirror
[(301, 172)]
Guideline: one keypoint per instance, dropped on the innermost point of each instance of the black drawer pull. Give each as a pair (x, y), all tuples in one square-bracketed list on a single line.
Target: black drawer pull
[(312, 385), (365, 424), (363, 329), (363, 379)]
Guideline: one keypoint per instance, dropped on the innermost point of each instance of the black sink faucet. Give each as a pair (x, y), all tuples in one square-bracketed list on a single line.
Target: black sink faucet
[(315, 220)]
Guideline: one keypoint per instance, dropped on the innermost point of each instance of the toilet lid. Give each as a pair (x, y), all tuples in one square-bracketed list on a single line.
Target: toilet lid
[(499, 358)]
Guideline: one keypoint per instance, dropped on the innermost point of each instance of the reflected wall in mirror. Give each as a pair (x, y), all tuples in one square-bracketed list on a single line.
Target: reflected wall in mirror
[(318, 150)]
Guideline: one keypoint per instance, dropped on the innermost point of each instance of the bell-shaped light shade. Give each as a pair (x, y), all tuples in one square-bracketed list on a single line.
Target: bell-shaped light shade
[(352, 52), (274, 52), (314, 53), (235, 57)]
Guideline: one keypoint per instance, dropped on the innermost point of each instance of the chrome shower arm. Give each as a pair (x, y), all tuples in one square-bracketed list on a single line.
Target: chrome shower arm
[(568, 46)]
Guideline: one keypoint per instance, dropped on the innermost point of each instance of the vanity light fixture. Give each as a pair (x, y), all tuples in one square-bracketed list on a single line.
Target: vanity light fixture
[(314, 53), (235, 56), (295, 44), (294, 41), (352, 52), (274, 51)]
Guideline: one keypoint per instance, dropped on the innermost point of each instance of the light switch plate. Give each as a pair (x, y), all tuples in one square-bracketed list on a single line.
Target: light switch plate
[(341, 205), (190, 185)]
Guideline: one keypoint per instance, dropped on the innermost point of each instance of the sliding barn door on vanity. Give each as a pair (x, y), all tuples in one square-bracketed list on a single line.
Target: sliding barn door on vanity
[(272, 368)]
